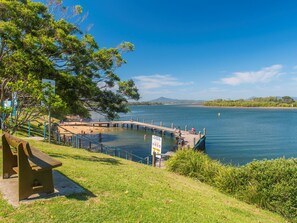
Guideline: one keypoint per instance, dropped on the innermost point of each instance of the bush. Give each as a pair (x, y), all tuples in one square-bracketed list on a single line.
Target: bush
[(270, 184)]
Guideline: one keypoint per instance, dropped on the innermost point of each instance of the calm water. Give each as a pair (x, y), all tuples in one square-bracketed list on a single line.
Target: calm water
[(238, 136)]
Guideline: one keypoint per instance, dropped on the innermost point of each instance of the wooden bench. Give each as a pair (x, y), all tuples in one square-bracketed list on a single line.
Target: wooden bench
[(33, 167)]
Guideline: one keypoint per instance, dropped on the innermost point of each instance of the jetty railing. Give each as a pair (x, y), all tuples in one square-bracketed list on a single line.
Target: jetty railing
[(86, 142)]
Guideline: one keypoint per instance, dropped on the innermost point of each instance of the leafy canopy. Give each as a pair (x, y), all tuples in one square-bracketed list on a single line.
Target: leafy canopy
[(34, 45)]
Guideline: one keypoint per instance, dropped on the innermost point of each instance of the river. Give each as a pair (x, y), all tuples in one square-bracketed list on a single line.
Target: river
[(234, 135)]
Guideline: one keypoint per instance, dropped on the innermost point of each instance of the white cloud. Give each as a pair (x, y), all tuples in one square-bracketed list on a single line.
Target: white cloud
[(158, 81), (264, 75)]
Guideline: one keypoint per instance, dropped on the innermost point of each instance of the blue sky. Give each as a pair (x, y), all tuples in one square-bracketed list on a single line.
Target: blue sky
[(203, 49)]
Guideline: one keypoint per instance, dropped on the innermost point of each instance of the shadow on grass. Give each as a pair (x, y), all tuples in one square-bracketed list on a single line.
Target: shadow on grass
[(107, 161), (81, 193)]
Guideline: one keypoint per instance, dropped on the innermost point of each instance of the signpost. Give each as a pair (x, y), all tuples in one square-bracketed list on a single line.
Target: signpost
[(53, 84), (14, 103), (156, 148)]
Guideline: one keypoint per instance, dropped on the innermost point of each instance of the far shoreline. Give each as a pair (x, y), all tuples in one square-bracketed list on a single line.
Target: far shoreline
[(213, 106), (243, 107)]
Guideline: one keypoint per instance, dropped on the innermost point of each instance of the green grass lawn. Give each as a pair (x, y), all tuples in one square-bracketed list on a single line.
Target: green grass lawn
[(124, 191)]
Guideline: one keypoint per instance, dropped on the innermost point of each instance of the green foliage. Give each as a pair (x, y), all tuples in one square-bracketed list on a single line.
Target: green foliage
[(122, 191), (36, 45), (285, 101), (271, 184)]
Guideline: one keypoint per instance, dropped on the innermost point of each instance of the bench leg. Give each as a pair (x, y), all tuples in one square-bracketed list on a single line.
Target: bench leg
[(44, 181), (9, 160), (31, 181)]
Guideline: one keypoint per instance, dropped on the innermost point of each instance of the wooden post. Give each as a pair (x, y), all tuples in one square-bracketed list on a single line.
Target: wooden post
[(100, 137), (90, 146), (154, 159), (204, 131), (186, 127), (172, 125)]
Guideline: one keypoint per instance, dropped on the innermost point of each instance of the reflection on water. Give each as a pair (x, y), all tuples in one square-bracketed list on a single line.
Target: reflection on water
[(135, 141), (236, 135)]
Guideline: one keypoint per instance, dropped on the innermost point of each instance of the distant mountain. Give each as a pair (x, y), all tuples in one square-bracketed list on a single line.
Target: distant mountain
[(170, 100)]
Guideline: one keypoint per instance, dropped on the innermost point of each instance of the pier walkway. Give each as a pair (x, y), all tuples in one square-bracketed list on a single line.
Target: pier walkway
[(190, 140)]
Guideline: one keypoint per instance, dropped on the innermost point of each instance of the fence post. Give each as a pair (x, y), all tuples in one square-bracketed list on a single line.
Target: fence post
[(79, 143), (44, 130), (59, 138), (160, 160), (29, 129), (90, 145)]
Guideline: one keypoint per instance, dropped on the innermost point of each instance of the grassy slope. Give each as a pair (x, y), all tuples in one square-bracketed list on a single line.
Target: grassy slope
[(129, 192)]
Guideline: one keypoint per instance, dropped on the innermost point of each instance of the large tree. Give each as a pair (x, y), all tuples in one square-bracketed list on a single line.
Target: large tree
[(34, 45)]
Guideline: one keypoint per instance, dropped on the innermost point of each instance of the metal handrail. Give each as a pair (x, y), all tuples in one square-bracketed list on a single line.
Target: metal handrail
[(108, 149)]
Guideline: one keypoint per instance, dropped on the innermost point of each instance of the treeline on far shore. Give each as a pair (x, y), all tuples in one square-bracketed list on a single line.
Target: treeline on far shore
[(145, 103), (285, 101)]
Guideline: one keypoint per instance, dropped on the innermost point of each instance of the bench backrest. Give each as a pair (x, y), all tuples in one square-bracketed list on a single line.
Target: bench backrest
[(34, 155), (14, 142)]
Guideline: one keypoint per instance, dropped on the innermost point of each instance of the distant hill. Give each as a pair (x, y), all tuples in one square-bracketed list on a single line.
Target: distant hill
[(173, 101)]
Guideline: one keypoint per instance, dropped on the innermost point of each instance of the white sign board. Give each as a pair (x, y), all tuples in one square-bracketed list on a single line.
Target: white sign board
[(7, 104), (156, 144)]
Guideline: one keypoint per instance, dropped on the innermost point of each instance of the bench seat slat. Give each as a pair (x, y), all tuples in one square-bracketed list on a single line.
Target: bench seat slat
[(42, 160)]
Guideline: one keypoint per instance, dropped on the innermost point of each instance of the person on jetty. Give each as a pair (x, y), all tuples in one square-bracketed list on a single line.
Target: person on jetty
[(179, 133), (193, 131)]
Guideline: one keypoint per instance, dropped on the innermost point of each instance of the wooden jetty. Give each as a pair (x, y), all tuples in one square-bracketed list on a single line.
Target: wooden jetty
[(190, 140)]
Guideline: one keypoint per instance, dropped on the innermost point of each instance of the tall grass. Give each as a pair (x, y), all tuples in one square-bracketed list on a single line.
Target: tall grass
[(270, 184)]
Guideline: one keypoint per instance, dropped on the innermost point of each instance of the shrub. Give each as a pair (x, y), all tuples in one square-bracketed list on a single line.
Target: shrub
[(270, 184)]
